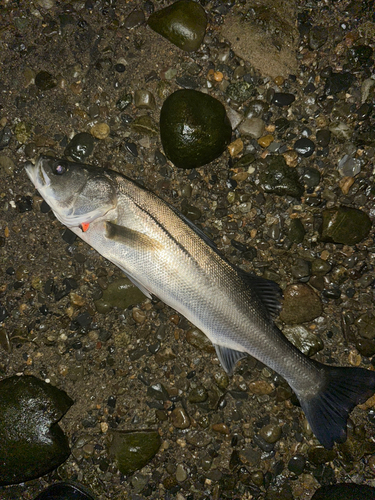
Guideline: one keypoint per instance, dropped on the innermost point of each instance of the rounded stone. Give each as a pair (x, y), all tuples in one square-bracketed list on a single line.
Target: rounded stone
[(32, 444), (304, 147), (132, 450), (281, 99), (301, 304), (65, 491), (144, 99), (100, 130), (280, 179), (270, 433), (183, 23), (297, 464), (45, 81), (80, 147), (194, 128), (180, 419), (345, 225)]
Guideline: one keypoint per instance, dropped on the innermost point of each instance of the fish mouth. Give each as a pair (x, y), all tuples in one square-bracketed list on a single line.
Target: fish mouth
[(37, 174)]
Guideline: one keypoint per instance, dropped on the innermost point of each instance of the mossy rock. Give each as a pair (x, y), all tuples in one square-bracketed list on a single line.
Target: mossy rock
[(183, 23), (194, 128), (32, 443)]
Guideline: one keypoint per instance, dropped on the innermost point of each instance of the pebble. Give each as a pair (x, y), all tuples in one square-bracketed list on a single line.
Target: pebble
[(198, 395), (323, 137), (6, 164), (260, 387), (311, 177), (132, 450), (349, 166), (45, 81), (144, 99), (252, 127), (5, 137), (24, 419), (100, 130), (320, 455), (80, 147), (235, 147), (305, 340), (301, 304), (281, 99), (366, 325), (345, 225), (338, 82), (280, 179), (265, 140), (304, 147), (134, 19), (180, 419), (317, 37), (256, 108), (239, 91), (181, 474), (270, 433), (145, 125), (183, 23), (297, 464), (139, 315), (221, 428), (296, 231), (65, 491), (194, 128)]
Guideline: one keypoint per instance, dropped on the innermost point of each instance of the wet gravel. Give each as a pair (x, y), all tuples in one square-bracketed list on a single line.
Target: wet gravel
[(291, 199)]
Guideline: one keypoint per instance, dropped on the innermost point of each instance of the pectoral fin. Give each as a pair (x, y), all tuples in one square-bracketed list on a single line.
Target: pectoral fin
[(131, 238), (228, 357)]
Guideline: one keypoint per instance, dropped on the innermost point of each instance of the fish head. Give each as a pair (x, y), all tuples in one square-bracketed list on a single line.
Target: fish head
[(77, 193)]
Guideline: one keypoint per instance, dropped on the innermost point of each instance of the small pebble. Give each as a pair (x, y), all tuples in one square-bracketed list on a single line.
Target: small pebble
[(235, 147), (100, 130), (304, 147)]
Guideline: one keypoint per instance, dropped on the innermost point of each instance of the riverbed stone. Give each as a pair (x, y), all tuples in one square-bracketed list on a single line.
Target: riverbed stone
[(345, 225), (194, 128), (183, 23), (301, 304), (132, 450), (32, 444)]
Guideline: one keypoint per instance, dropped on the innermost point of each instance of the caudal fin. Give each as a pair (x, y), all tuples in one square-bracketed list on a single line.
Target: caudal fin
[(327, 412)]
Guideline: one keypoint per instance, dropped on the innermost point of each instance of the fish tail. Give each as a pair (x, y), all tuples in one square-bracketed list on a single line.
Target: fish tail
[(328, 410)]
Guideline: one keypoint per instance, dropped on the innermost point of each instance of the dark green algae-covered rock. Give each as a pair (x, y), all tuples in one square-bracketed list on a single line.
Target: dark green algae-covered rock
[(32, 443), (183, 23), (194, 128), (132, 450), (345, 225)]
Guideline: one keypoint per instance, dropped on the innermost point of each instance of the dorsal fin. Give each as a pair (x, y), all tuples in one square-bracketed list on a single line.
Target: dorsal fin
[(268, 291)]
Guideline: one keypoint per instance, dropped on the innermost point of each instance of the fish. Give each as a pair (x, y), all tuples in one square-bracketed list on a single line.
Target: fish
[(168, 257)]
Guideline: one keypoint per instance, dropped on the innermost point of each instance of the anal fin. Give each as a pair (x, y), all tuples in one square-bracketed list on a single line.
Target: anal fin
[(228, 357)]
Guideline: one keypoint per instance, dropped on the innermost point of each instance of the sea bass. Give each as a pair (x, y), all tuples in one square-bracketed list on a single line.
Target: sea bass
[(166, 255)]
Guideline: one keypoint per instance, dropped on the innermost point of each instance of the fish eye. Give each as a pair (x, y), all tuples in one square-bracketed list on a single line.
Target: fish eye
[(59, 169)]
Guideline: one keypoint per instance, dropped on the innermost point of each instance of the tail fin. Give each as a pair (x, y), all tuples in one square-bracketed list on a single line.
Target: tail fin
[(327, 412)]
